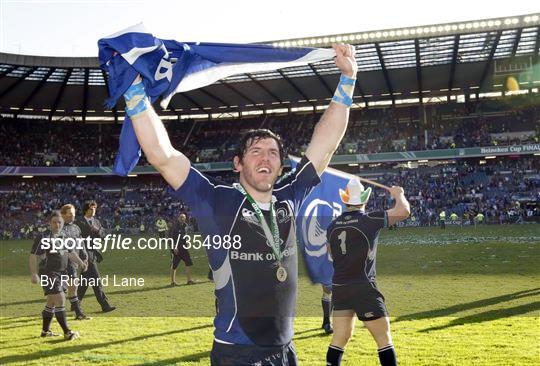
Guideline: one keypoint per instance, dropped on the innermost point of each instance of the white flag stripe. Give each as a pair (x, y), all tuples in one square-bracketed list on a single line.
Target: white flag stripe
[(215, 73), (136, 52)]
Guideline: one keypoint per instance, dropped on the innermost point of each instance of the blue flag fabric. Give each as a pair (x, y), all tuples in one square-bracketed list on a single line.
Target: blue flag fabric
[(322, 205), (168, 67)]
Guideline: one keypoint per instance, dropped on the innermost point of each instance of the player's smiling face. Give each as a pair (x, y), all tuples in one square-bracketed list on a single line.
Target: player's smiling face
[(260, 165)]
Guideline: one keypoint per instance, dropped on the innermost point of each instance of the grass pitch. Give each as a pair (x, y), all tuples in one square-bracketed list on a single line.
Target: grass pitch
[(462, 296)]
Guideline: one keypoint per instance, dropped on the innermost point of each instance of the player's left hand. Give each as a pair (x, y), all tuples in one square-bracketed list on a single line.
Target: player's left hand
[(35, 278), (345, 60)]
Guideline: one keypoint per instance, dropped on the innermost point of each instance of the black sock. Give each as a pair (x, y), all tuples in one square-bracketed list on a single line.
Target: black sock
[(47, 315), (327, 308), (60, 314), (387, 356), (334, 356), (76, 305)]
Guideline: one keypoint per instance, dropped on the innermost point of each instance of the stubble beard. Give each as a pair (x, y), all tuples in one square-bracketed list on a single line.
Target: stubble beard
[(261, 187)]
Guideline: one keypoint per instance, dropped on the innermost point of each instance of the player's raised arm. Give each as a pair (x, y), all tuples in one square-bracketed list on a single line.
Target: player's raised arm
[(402, 208), (331, 128), (153, 137)]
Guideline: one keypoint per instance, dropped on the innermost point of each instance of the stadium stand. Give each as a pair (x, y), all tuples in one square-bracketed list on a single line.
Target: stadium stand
[(449, 125), (504, 190), (420, 90)]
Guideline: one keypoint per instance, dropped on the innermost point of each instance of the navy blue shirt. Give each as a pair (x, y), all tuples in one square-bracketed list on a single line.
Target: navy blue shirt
[(353, 238), (254, 307)]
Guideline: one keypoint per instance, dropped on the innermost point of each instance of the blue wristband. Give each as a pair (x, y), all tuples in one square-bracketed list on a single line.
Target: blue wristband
[(136, 92), (341, 96), (345, 80)]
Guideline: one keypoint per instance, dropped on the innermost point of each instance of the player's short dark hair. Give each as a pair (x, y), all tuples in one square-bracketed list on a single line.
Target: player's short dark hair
[(250, 137), (88, 204)]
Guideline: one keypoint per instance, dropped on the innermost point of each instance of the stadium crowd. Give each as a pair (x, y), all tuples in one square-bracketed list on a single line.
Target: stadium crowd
[(504, 191), (372, 130), (507, 190)]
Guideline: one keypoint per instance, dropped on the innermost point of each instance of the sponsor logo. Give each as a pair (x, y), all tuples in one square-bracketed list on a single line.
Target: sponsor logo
[(258, 257), (247, 256), (249, 217), (369, 315)]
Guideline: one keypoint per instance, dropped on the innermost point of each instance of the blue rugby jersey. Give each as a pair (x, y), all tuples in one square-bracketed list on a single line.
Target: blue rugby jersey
[(254, 307)]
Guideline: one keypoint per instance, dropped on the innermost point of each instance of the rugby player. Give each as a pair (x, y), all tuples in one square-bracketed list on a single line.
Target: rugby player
[(352, 240), (255, 267), (53, 275), (71, 230)]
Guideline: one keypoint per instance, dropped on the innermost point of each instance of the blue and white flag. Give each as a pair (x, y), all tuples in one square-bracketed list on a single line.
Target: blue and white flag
[(168, 67), (316, 213)]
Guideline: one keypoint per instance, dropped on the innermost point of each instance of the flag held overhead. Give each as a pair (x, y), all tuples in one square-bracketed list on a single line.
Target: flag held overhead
[(168, 67)]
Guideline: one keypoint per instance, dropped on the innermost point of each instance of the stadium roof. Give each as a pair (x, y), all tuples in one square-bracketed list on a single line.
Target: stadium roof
[(394, 64)]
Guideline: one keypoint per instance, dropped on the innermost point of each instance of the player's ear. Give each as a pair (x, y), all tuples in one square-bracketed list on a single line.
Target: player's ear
[(280, 171), (237, 164)]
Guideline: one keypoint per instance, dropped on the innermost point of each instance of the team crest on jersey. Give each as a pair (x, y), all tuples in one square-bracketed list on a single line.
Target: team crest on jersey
[(282, 215)]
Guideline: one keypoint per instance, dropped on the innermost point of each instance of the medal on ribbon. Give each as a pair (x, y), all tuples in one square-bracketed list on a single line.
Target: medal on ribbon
[(271, 232)]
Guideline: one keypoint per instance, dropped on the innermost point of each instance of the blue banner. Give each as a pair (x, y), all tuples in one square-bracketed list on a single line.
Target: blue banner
[(316, 213), (168, 67)]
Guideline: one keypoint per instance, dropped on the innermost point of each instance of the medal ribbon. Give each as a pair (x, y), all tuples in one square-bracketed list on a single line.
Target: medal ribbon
[(272, 232)]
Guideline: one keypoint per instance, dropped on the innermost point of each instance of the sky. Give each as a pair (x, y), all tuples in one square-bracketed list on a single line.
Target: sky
[(72, 28)]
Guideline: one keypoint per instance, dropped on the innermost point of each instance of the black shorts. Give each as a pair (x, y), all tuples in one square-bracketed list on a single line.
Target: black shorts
[(248, 355), (183, 255), (54, 284), (364, 298)]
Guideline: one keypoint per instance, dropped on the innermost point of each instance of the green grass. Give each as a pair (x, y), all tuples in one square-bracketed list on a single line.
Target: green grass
[(461, 296)]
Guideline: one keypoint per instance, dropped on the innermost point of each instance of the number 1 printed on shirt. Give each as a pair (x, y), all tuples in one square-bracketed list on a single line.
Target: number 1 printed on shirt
[(342, 244)]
